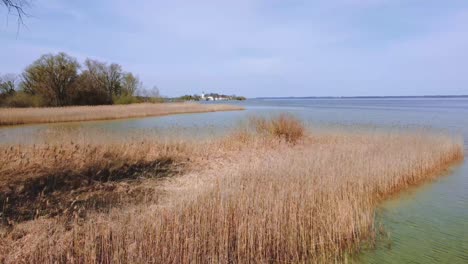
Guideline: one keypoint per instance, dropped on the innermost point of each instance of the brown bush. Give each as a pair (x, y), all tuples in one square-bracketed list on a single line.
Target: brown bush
[(285, 127)]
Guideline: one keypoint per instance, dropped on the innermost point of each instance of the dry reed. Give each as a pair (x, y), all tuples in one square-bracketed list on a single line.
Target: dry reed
[(17, 116), (284, 126), (247, 199)]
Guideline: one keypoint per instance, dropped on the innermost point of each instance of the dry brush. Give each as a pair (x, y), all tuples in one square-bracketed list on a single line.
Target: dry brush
[(250, 197)]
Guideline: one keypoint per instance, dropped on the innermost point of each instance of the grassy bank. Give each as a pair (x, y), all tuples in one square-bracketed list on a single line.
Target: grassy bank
[(17, 116), (271, 192)]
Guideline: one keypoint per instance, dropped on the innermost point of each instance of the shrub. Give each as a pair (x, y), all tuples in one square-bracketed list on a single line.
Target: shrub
[(22, 99), (90, 97), (125, 99), (284, 126), (155, 100), (3, 99)]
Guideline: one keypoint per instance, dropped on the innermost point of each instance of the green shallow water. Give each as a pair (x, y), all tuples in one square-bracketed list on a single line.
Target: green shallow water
[(427, 224)]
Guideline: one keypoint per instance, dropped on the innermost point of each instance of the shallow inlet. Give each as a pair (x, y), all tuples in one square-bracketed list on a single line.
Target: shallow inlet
[(427, 224)]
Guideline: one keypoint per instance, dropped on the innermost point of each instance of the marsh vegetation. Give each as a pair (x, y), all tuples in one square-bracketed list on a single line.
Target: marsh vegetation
[(19, 116), (271, 191)]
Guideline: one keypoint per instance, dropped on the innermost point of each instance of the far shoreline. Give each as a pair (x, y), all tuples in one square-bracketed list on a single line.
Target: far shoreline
[(12, 117), (367, 97)]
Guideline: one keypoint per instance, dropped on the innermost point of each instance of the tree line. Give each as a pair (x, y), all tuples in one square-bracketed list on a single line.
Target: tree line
[(60, 80)]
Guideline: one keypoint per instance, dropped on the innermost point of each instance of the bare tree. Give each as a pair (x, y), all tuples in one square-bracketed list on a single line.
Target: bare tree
[(107, 76), (90, 88), (96, 72), (154, 92), (149, 92), (113, 79), (150, 95), (52, 77), (130, 84), (8, 83), (16, 6)]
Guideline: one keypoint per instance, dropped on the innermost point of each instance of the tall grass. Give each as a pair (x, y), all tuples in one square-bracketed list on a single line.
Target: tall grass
[(17, 116), (245, 198), (284, 126)]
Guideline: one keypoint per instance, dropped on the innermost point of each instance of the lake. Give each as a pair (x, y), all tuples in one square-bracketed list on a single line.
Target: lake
[(427, 224)]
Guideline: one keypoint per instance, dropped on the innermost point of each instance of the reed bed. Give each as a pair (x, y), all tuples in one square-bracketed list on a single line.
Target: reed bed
[(18, 116), (249, 197)]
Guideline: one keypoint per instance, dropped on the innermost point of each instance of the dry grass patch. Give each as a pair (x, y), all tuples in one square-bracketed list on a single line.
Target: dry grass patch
[(246, 198), (49, 180), (17, 116), (284, 126)]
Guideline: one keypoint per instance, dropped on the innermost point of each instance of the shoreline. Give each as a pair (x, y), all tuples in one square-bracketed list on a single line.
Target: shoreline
[(11, 117)]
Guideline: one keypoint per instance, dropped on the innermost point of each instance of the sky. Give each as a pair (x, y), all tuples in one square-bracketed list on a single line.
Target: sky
[(256, 47)]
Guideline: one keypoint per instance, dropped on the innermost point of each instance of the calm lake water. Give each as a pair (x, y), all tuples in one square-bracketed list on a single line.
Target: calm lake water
[(427, 224)]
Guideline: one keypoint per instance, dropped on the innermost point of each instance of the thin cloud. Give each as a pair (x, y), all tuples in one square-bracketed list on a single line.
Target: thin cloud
[(257, 47)]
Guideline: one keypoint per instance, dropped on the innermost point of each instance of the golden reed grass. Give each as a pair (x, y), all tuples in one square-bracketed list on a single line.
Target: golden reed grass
[(284, 126), (246, 198), (17, 116)]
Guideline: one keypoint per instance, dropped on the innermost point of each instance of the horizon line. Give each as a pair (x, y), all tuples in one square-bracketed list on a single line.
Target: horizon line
[(361, 96)]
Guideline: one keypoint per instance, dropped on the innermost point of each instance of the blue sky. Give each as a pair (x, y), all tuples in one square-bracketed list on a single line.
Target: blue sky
[(257, 47)]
